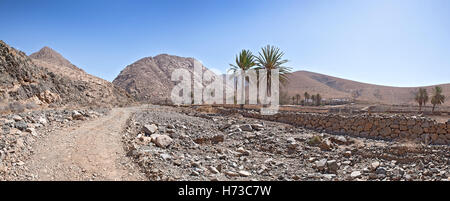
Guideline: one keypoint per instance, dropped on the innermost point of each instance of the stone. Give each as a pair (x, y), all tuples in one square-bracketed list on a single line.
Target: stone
[(32, 131), (231, 174), (165, 156), (325, 145), (243, 151), (154, 136), (329, 176), (77, 115), (21, 125), (355, 174), (257, 127), (375, 165), (341, 140), (332, 166), (246, 127), (213, 170), (381, 170), (321, 164), (149, 129), (244, 173), (163, 141), (17, 117), (42, 121), (347, 154)]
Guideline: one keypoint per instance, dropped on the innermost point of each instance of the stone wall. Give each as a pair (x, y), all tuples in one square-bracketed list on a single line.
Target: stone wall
[(377, 126)]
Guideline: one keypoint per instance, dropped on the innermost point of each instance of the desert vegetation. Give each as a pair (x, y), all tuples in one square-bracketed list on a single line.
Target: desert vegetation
[(421, 97)]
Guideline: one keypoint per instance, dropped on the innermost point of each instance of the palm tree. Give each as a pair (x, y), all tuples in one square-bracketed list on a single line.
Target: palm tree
[(437, 97), (318, 99), (270, 58), (293, 100), (297, 96), (313, 98), (421, 98), (306, 97), (244, 61)]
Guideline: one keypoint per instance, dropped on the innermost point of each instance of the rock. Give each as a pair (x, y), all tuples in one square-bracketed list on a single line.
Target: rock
[(243, 151), (149, 129), (246, 127), (196, 164), (154, 136), (257, 127), (20, 143), (244, 173), (17, 117), (355, 174), (165, 156), (340, 140), (42, 121), (375, 165), (321, 164), (381, 170), (21, 125), (332, 166), (170, 131), (231, 174), (325, 145), (213, 170), (329, 176), (32, 131), (77, 115), (163, 141), (347, 154)]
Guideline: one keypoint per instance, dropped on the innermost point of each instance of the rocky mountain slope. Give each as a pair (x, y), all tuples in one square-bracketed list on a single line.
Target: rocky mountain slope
[(333, 87), (149, 79), (96, 90), (22, 82)]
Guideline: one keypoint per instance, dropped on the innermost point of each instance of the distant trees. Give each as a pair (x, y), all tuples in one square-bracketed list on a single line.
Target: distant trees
[(318, 100), (306, 97), (437, 97), (297, 96), (421, 98)]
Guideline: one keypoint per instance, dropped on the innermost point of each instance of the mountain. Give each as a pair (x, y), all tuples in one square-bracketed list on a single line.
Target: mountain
[(95, 90), (333, 87), (149, 79), (25, 81)]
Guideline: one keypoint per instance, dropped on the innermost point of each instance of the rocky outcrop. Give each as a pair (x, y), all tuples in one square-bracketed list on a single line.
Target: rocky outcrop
[(95, 91), (149, 79), (22, 82)]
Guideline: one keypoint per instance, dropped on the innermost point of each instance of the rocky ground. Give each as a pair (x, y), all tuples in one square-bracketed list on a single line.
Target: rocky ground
[(185, 144), (20, 132)]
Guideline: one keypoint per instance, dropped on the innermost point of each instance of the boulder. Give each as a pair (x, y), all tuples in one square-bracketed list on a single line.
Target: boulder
[(77, 115), (149, 129), (163, 141), (246, 127)]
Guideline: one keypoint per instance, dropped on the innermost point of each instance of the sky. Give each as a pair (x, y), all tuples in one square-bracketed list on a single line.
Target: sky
[(388, 42)]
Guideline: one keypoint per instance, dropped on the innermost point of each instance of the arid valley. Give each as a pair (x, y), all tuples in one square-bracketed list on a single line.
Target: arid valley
[(60, 123)]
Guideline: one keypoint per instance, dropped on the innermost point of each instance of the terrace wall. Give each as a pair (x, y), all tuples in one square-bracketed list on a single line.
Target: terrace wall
[(378, 126)]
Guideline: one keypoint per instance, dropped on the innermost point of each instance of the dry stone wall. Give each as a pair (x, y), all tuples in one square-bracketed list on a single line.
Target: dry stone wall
[(377, 126)]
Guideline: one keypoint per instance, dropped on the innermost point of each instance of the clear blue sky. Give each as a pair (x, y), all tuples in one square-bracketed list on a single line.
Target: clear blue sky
[(396, 42)]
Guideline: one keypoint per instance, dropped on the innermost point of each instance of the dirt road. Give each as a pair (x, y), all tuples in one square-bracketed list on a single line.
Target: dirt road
[(91, 150)]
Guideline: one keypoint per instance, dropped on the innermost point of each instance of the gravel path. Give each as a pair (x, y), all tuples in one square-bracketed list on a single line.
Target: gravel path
[(89, 151)]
